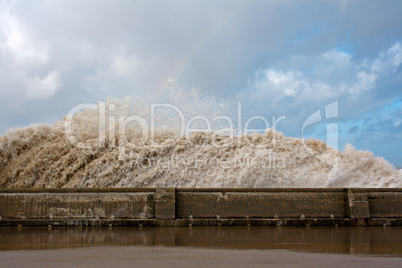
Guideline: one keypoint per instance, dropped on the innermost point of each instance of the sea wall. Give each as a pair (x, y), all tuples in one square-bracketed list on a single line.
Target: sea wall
[(200, 207)]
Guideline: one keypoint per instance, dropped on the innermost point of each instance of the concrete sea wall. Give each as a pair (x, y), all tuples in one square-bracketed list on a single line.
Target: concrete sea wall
[(200, 207)]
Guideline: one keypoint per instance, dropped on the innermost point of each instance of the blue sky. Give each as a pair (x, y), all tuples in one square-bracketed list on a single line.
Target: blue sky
[(278, 57)]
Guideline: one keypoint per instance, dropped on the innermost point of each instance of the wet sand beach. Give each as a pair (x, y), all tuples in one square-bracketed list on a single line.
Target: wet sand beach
[(201, 247), (185, 257)]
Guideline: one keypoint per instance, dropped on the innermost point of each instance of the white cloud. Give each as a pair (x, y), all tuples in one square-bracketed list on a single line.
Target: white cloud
[(277, 84), (43, 88), (333, 60), (365, 81), (18, 41), (389, 60), (333, 74), (117, 72), (25, 58)]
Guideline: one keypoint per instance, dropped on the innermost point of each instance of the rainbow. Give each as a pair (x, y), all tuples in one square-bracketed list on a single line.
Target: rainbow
[(192, 53)]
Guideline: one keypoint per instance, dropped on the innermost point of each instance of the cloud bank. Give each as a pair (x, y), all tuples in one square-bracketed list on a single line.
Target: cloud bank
[(277, 57)]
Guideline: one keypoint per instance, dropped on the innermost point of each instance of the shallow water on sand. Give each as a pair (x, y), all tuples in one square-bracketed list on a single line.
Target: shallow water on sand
[(382, 241), (202, 247)]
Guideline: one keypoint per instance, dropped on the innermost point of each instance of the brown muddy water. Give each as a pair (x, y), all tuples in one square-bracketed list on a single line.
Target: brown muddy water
[(202, 246)]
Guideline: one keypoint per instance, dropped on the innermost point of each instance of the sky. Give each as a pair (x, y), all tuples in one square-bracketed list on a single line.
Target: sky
[(279, 58)]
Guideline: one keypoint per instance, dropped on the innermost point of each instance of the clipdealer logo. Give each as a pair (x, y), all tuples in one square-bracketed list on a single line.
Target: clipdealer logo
[(332, 132), (107, 127)]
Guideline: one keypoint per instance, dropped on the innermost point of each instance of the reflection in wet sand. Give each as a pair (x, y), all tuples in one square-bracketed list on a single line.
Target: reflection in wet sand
[(384, 241)]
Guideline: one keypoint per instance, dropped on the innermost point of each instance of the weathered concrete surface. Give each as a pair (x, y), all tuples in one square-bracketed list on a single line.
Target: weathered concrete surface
[(261, 205), (198, 222), (77, 205), (165, 203), (358, 205), (388, 204), (200, 207)]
